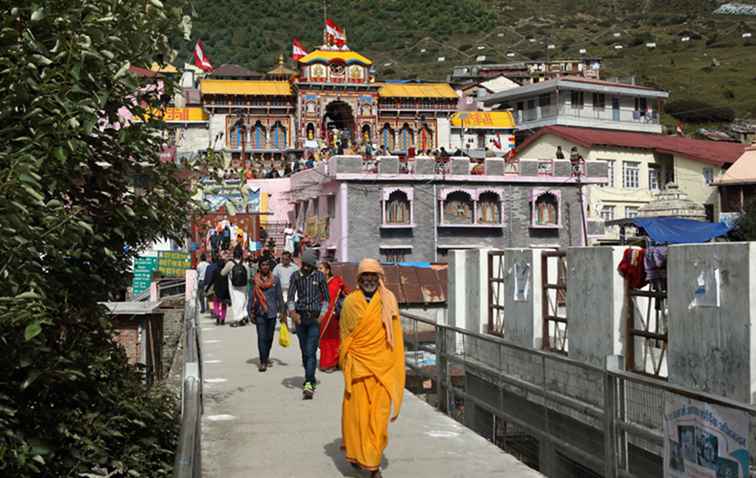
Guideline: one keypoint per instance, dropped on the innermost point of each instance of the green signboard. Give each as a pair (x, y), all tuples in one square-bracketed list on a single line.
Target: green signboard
[(173, 264), (143, 270)]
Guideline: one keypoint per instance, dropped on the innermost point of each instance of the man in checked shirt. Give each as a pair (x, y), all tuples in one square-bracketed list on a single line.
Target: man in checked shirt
[(307, 304)]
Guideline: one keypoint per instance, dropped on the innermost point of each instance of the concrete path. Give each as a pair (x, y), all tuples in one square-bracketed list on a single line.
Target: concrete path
[(257, 425)]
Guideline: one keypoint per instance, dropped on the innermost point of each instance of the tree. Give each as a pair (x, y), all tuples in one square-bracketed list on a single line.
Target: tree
[(72, 221)]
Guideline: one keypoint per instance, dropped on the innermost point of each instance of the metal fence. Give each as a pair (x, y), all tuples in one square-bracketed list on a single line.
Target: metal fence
[(553, 412), (188, 463)]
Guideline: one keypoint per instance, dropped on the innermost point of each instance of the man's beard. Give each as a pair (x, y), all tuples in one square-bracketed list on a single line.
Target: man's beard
[(369, 289)]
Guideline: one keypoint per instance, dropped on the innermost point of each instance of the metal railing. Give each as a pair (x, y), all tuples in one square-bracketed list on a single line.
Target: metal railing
[(166, 288), (188, 462), (607, 421)]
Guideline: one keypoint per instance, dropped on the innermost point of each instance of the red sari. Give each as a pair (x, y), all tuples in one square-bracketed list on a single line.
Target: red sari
[(329, 327)]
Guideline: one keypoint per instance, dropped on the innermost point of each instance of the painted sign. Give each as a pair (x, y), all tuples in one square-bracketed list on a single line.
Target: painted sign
[(173, 263), (144, 267), (704, 441)]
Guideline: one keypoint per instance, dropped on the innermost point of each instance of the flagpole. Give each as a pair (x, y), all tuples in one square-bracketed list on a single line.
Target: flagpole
[(325, 18)]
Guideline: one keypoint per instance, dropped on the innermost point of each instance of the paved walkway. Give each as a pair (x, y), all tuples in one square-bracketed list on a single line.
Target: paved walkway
[(257, 425)]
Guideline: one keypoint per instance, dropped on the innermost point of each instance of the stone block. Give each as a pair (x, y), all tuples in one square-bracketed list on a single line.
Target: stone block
[(388, 165), (562, 168), (528, 168), (460, 166), (494, 167), (596, 169), (348, 164), (425, 166)]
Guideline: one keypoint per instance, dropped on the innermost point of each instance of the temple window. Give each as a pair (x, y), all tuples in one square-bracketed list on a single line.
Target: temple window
[(397, 206), (278, 133), (406, 137), (235, 136), (425, 139), (387, 138), (458, 208), (259, 136), (489, 208), (545, 209)]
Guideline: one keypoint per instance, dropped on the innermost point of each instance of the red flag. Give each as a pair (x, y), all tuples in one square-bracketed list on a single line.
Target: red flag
[(200, 58), (297, 50), (335, 35), (497, 141)]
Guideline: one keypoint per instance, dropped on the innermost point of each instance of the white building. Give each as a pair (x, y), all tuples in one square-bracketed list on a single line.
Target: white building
[(589, 103)]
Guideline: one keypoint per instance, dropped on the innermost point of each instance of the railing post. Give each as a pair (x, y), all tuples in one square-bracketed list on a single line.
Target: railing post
[(610, 412), (441, 369)]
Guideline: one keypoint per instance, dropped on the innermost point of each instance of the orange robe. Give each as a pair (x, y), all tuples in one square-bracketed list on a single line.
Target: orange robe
[(374, 378)]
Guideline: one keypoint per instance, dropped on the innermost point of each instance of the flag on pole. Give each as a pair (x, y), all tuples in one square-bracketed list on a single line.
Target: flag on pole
[(497, 141), (297, 50), (679, 129), (200, 58), (335, 35)]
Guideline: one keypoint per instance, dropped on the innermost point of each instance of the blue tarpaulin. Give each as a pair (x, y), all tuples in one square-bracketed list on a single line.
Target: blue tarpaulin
[(418, 264), (673, 230)]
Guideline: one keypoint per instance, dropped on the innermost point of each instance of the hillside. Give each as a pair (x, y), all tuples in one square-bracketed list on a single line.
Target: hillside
[(406, 38)]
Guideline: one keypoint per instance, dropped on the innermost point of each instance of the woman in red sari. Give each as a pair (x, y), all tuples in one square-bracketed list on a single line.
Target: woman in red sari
[(329, 326)]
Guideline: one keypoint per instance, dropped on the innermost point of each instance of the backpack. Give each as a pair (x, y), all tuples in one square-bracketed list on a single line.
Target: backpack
[(238, 275)]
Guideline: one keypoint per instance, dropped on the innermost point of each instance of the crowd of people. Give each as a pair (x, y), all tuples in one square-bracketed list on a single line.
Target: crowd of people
[(357, 332)]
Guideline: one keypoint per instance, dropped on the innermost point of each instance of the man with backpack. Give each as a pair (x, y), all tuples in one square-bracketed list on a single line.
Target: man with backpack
[(238, 277)]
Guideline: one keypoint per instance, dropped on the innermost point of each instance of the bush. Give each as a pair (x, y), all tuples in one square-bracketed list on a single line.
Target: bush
[(695, 111)]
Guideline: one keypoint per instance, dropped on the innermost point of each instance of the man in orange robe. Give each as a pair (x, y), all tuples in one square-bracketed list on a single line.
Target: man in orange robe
[(372, 359)]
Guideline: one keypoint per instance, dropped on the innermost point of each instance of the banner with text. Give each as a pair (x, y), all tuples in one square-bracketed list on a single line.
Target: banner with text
[(173, 263), (144, 267), (704, 441)]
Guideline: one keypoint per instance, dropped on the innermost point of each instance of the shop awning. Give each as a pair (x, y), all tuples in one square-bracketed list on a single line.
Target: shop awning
[(674, 230), (483, 120)]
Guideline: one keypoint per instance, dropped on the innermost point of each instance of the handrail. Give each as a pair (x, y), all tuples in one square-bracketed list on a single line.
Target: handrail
[(188, 461)]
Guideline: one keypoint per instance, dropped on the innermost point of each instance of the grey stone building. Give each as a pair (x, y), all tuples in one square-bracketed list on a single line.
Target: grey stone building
[(419, 211)]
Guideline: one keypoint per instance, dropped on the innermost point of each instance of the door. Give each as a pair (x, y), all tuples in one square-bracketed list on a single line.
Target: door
[(615, 109)]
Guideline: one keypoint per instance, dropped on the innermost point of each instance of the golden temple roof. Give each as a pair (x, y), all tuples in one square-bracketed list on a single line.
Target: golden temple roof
[(417, 90), (245, 87), (281, 70), (483, 119), (326, 56)]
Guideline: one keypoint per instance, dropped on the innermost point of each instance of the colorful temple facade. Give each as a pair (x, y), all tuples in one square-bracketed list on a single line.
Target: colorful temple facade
[(332, 98)]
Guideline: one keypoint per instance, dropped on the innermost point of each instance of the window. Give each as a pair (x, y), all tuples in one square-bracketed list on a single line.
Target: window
[(331, 201), (708, 174), (631, 212), (398, 209), (610, 172), (387, 137), (315, 207), (279, 135), (458, 208), (576, 99), (545, 210), (544, 100), (394, 256), (406, 137), (654, 175), (607, 213), (599, 101), (489, 208), (630, 174), (641, 104)]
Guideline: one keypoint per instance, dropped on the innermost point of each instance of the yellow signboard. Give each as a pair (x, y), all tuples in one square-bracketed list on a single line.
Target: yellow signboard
[(173, 264), (311, 226)]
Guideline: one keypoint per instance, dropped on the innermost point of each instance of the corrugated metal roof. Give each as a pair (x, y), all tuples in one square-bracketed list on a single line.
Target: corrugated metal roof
[(411, 285), (245, 87), (417, 90), (712, 152)]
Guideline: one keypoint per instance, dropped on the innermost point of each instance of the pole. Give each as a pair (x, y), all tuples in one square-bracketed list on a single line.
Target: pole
[(583, 224)]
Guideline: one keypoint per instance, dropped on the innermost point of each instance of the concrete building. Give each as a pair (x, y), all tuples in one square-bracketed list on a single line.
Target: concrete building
[(399, 212), (487, 132), (737, 186), (638, 166), (527, 72), (582, 102)]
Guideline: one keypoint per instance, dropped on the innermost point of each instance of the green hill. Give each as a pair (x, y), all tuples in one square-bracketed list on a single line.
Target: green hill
[(407, 37)]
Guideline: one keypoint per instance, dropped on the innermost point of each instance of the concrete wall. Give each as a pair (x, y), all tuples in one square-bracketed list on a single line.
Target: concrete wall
[(713, 348), (278, 193), (522, 319), (594, 303), (689, 175)]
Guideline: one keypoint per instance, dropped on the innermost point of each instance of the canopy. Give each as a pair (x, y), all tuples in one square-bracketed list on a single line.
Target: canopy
[(673, 230), (483, 120)]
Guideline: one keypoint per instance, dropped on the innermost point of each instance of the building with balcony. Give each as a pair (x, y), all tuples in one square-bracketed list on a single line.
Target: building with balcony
[(638, 166), (421, 210), (582, 102)]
